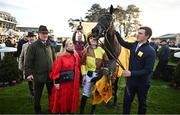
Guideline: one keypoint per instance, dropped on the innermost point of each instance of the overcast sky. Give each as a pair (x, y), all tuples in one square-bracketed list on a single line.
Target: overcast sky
[(163, 16)]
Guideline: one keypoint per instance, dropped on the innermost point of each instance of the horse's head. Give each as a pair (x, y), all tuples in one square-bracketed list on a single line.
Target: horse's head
[(103, 25), (105, 28)]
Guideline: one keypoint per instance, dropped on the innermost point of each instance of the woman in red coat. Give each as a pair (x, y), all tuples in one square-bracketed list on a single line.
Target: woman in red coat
[(65, 95)]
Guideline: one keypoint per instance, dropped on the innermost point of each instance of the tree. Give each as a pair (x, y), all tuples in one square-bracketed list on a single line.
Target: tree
[(95, 12), (9, 69), (120, 15), (128, 19)]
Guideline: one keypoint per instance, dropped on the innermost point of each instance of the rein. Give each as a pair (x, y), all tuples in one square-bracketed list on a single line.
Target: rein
[(111, 53), (116, 59)]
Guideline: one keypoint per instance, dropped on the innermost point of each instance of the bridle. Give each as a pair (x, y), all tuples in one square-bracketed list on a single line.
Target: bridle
[(105, 33), (111, 53), (114, 56)]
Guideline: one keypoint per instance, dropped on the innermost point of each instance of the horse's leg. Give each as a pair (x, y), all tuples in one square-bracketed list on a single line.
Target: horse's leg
[(93, 107), (115, 104)]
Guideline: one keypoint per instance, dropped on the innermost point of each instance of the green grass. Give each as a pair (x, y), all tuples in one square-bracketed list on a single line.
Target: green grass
[(162, 99)]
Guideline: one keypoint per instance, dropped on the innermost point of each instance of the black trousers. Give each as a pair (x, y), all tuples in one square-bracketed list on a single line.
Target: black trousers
[(130, 90), (160, 69), (31, 89), (38, 88)]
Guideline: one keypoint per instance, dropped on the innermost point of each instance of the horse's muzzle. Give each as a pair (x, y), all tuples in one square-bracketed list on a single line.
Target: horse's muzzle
[(97, 32)]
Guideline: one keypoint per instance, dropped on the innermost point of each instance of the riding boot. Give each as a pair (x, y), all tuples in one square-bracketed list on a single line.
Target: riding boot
[(83, 104), (93, 107)]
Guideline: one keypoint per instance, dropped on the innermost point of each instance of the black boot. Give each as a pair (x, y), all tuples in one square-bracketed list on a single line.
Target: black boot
[(83, 104), (93, 107)]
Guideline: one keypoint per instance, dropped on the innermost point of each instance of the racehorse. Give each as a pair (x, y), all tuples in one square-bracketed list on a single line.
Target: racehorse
[(105, 28)]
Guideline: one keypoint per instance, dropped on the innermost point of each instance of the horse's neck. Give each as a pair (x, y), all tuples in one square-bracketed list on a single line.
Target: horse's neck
[(112, 45)]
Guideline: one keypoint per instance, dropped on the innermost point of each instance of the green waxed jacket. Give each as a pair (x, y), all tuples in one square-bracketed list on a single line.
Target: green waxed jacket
[(39, 60)]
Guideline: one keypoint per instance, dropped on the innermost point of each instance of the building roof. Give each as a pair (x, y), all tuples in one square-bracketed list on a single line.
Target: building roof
[(3, 20), (87, 26), (169, 36), (7, 17)]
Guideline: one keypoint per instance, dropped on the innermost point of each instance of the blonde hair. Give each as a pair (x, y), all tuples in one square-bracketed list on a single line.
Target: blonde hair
[(63, 49)]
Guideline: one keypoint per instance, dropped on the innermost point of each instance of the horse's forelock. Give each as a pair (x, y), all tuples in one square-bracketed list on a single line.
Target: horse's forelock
[(105, 20), (105, 17)]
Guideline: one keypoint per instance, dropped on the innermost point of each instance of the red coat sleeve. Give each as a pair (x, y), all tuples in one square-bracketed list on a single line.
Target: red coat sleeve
[(57, 66)]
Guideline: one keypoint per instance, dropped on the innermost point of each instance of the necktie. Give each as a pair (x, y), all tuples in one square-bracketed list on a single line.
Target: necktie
[(137, 47)]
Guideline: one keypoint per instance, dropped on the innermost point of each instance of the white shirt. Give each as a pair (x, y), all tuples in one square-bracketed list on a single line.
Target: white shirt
[(139, 45)]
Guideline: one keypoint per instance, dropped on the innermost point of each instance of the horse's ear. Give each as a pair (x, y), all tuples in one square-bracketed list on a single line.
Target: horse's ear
[(111, 9)]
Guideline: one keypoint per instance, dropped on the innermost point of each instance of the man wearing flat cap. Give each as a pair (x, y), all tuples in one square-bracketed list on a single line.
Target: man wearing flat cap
[(39, 59)]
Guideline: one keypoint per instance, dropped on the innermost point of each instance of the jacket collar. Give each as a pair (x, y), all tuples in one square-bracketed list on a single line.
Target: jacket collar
[(41, 43), (146, 43)]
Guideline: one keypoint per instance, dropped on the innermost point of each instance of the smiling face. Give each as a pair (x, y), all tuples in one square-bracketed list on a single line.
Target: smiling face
[(32, 39), (92, 41), (69, 45)]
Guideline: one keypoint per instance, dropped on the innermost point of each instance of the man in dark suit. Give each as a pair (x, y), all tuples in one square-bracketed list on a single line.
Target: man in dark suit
[(141, 63), (39, 59), (163, 56)]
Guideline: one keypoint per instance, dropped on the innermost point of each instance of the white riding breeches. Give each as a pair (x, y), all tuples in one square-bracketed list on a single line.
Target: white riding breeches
[(88, 84)]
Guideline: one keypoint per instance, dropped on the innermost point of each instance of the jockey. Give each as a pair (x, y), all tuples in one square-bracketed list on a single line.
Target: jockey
[(93, 57)]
